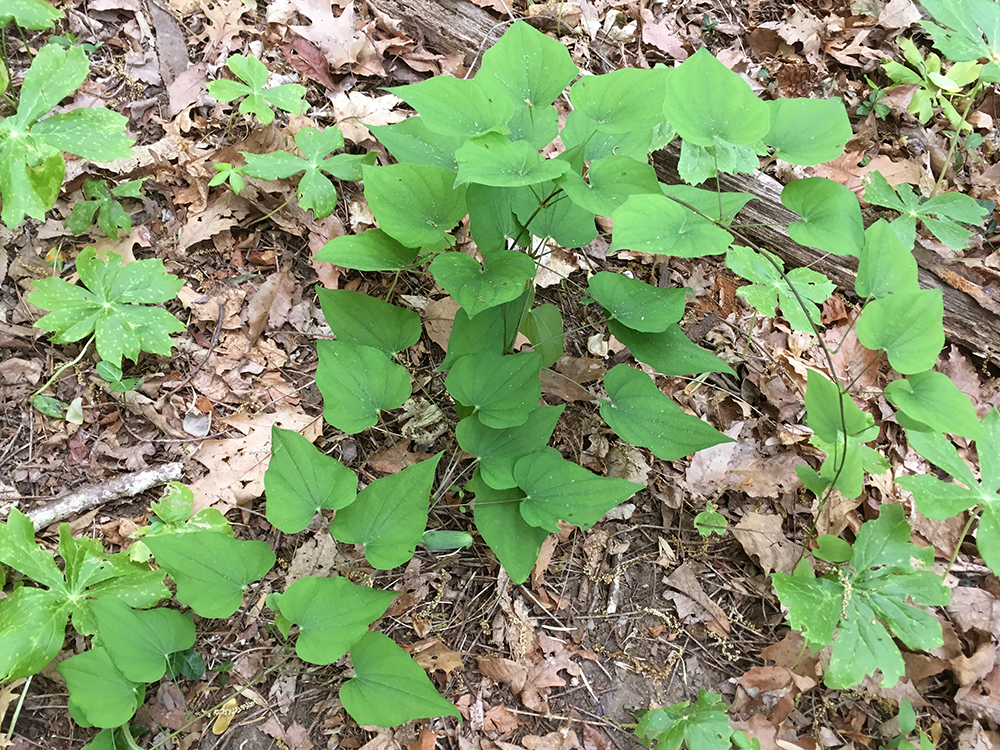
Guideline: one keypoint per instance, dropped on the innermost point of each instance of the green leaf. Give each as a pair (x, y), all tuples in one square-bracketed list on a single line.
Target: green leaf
[(831, 216), (19, 551), (543, 327), (498, 450), (415, 205), (389, 515), (643, 415), (459, 107), (825, 403), (502, 279), (498, 518), (622, 101), (670, 352), (867, 601), (32, 630), (721, 207), (357, 382), (503, 389), (908, 325), (655, 224), (555, 217), (584, 133), (99, 694), (95, 134), (491, 217), (832, 549), (699, 726), (290, 97), (333, 614), (493, 330), (139, 642), (611, 181), (886, 264), (110, 307), (367, 321), (940, 214), (30, 14), (808, 131), (710, 521), (412, 142), (442, 539), (559, 490), (388, 687), (210, 569), (187, 663), (300, 481), (932, 398), (727, 110), (492, 159), (636, 304), (532, 67), (55, 73), (770, 288), (370, 250)]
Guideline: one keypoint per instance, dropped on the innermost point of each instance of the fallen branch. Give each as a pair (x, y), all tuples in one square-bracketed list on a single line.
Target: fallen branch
[(128, 485)]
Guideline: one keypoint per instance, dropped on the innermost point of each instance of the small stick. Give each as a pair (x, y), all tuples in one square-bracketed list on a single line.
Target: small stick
[(127, 485)]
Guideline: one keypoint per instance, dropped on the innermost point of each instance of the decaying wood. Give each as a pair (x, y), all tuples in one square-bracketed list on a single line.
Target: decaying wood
[(461, 26), (126, 485)]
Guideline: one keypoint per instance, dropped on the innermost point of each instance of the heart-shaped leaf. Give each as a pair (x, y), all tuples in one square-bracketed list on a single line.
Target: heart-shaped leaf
[(498, 519), (139, 641), (357, 382), (99, 694), (389, 515), (503, 389), (364, 320), (477, 289), (636, 304)]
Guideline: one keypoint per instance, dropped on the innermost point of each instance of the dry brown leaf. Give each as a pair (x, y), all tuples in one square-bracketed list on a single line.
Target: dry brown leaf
[(564, 739), (393, 458), (269, 306), (308, 60), (500, 719), (336, 36), (684, 580), (761, 536), (433, 655), (801, 27), (426, 741), (236, 465), (504, 670), (355, 109), (847, 170), (439, 316)]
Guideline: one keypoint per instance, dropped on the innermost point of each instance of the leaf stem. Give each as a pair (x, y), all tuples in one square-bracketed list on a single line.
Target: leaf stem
[(60, 371), (961, 538)]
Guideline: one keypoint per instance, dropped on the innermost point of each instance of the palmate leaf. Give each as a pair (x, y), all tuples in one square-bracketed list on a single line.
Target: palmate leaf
[(315, 190), (388, 687), (643, 415), (210, 569), (702, 725), (111, 306), (300, 481), (940, 500), (882, 581), (289, 97), (768, 289), (559, 490), (943, 214), (333, 614), (389, 515)]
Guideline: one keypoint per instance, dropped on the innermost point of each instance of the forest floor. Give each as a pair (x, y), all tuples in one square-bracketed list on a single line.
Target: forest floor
[(640, 610)]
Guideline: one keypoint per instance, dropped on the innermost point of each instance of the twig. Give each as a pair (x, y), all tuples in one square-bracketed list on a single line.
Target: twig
[(128, 485), (197, 367)]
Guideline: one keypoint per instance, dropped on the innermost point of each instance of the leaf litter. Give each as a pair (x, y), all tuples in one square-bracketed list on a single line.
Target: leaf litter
[(554, 647)]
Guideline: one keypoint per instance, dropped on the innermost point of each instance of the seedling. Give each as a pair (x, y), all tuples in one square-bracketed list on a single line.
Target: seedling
[(103, 204), (253, 75)]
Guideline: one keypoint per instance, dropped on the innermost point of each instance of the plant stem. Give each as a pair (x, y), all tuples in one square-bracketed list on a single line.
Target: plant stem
[(17, 710), (951, 148), (59, 372), (973, 515)]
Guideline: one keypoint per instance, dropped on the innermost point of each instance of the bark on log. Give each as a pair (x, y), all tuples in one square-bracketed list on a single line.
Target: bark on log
[(460, 26)]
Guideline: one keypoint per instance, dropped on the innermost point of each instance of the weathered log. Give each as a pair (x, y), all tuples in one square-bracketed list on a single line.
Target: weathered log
[(460, 26)]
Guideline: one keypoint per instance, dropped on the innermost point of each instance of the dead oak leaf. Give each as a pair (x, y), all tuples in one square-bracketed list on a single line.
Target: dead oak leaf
[(354, 110), (761, 537), (336, 36)]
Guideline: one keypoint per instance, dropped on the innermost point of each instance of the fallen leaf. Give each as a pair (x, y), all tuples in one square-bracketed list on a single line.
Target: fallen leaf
[(308, 60), (356, 109), (761, 536), (684, 580), (433, 655)]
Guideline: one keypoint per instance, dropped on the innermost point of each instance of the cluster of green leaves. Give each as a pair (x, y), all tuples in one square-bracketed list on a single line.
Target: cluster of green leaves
[(32, 166), (111, 305), (110, 598), (702, 725), (252, 88), (105, 205)]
